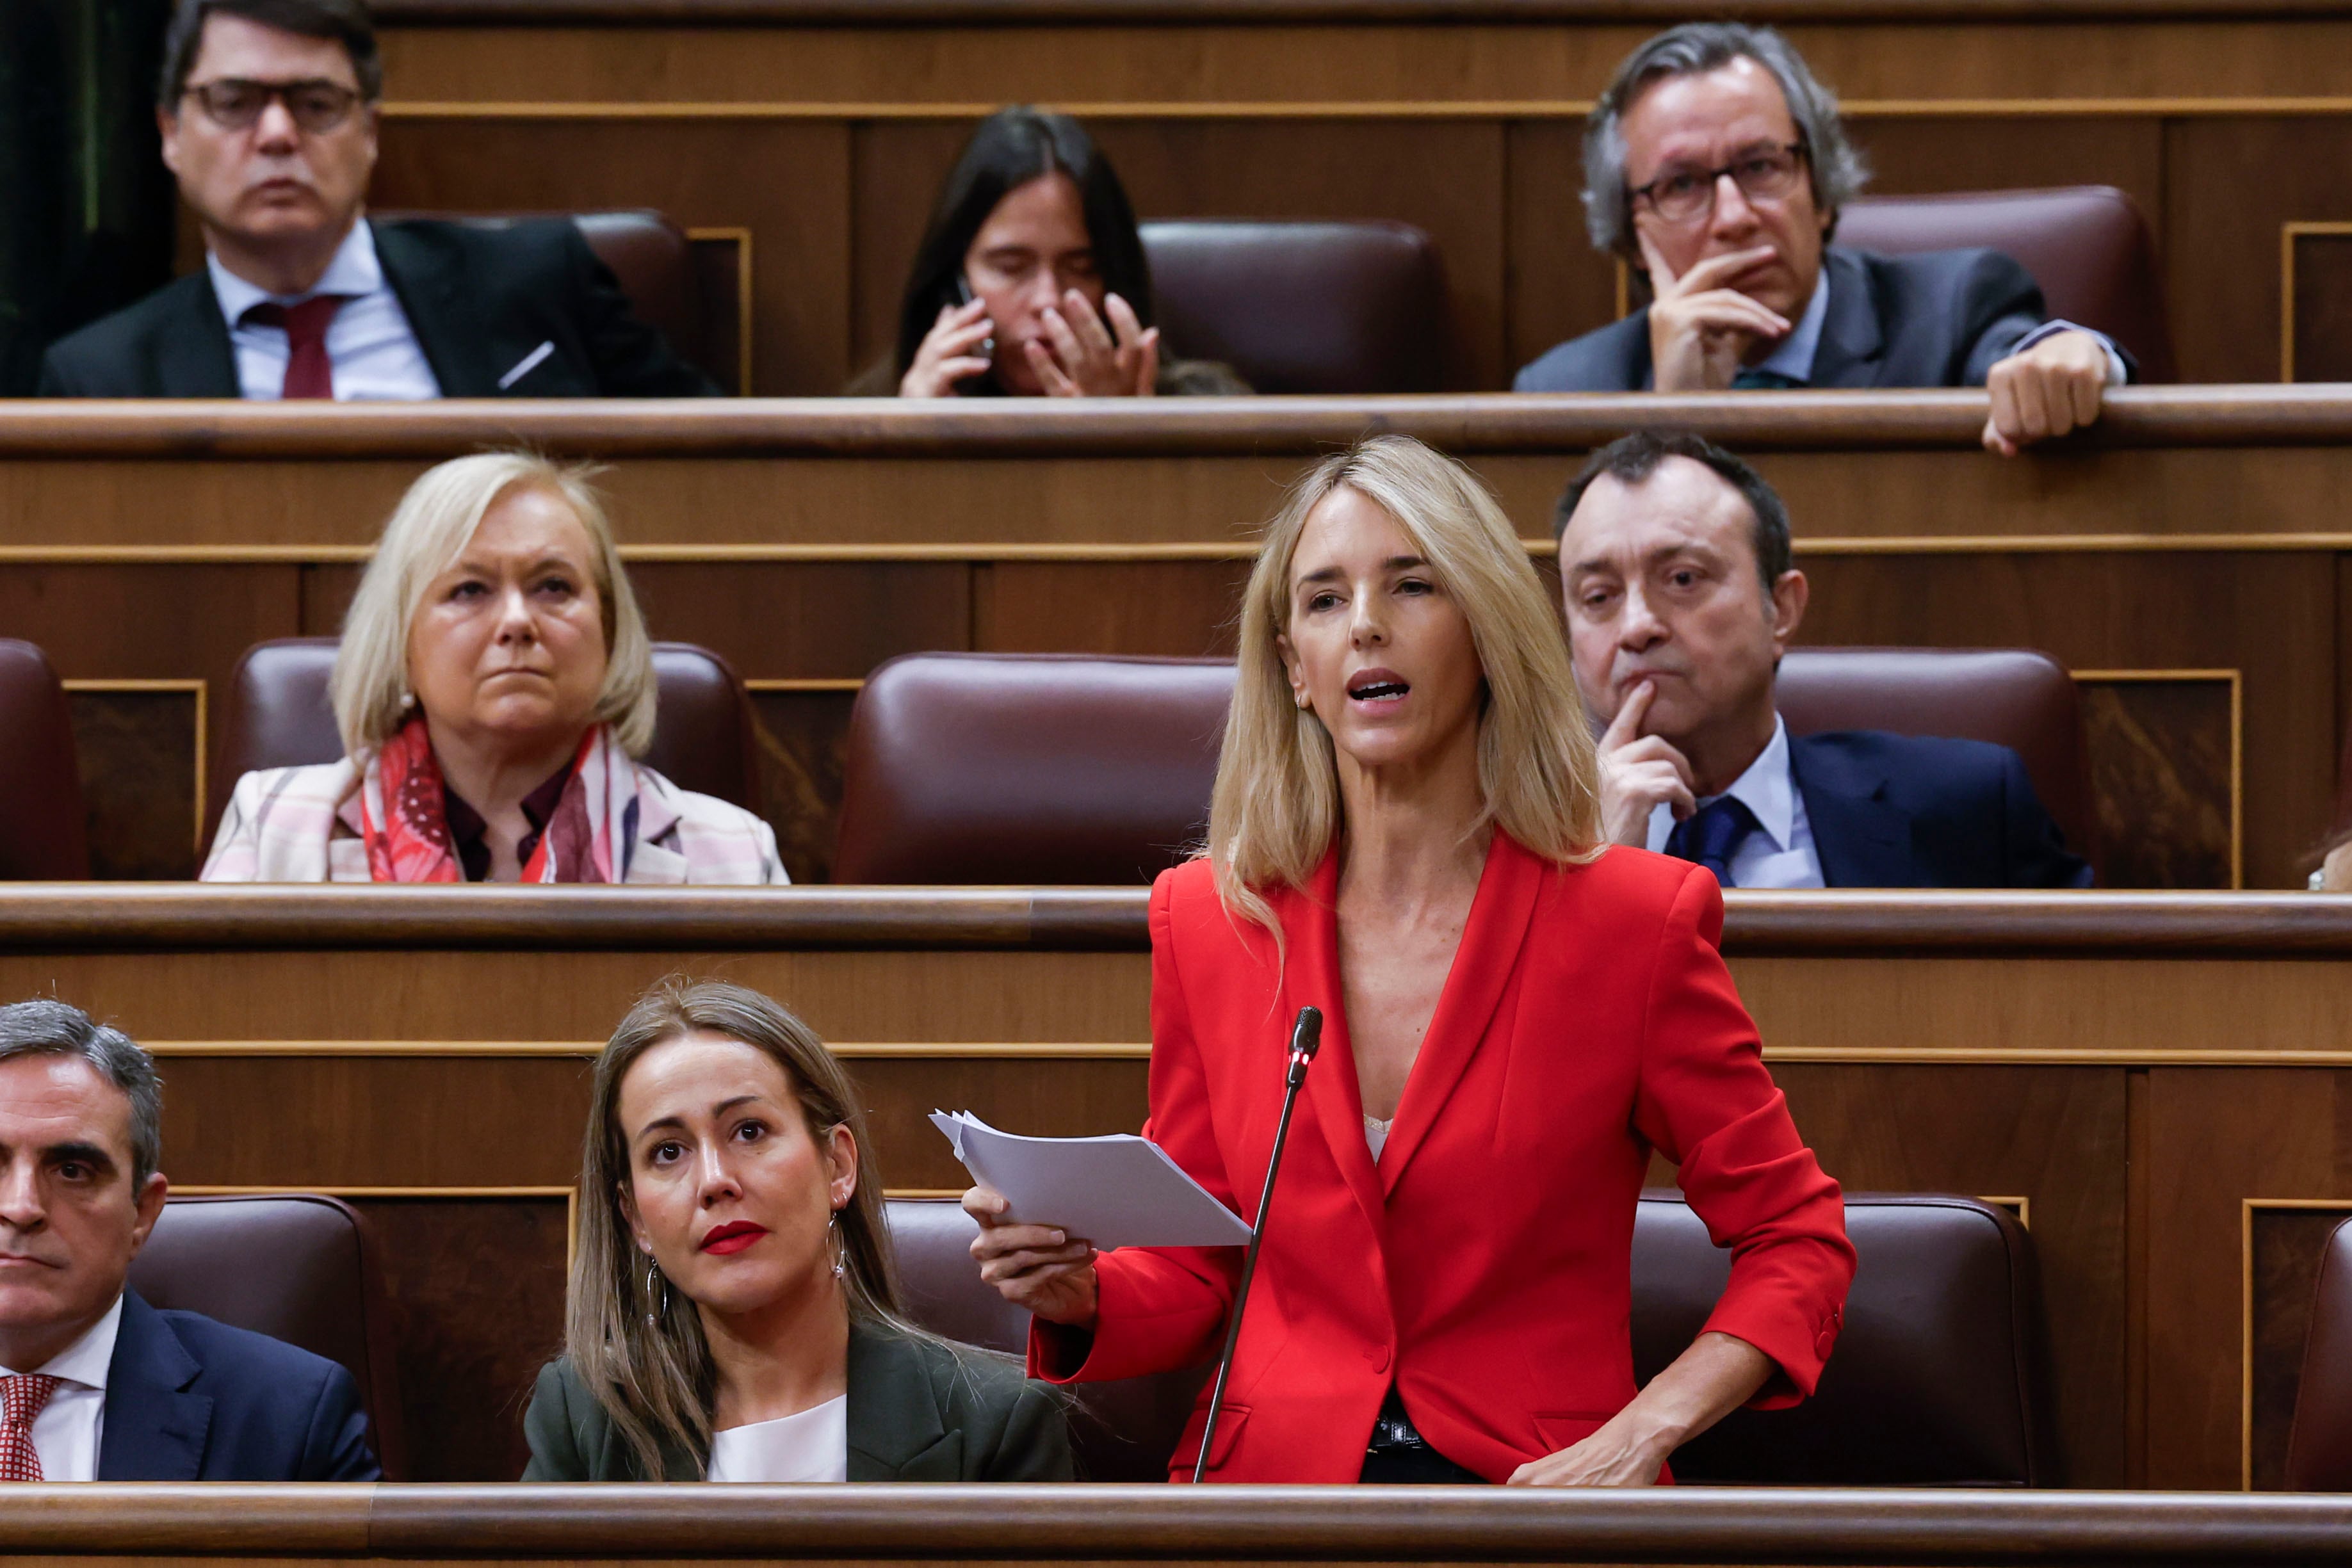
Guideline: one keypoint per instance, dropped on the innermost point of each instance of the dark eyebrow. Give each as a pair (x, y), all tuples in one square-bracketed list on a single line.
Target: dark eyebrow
[(88, 1153), (679, 1122)]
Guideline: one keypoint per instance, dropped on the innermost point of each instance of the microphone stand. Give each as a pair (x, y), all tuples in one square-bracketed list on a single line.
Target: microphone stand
[(1306, 1037)]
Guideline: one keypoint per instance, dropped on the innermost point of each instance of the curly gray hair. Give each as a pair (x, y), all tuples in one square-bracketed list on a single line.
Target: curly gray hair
[(1836, 169)]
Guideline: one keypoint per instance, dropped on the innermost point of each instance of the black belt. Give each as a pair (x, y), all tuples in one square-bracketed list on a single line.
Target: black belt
[(1397, 1455)]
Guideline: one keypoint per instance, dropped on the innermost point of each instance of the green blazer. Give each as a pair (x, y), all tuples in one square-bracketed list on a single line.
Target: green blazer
[(918, 1412)]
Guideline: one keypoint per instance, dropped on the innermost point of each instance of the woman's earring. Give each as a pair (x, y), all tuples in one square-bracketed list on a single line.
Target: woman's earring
[(1300, 698), (832, 1233), (656, 1295), (407, 701)]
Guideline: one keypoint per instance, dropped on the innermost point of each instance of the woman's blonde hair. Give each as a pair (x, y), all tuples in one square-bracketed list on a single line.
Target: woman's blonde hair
[(1277, 806), (429, 529), (637, 1344)]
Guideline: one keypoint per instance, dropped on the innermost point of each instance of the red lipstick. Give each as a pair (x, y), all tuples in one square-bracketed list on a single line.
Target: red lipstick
[(732, 1236)]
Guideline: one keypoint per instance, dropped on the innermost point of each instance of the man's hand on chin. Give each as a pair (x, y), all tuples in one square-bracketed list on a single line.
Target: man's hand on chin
[(1700, 329), (2050, 388)]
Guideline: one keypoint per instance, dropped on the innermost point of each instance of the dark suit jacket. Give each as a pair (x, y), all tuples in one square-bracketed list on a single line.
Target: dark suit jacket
[(188, 1400), (918, 1412), (1900, 811), (1941, 318), (480, 301)]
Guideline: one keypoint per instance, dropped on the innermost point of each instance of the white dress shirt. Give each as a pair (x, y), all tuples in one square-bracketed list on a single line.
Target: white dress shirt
[(1780, 853), (66, 1433), (813, 1446), (372, 348)]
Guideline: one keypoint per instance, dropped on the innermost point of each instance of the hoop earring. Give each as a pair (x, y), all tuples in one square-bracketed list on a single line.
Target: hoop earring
[(833, 1235), (656, 1295)]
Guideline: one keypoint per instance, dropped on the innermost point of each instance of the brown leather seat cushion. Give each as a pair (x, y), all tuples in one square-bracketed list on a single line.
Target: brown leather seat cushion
[(653, 262), (294, 1266), (279, 717), (2087, 246), (1029, 767), (42, 829), (2010, 696), (2319, 1445), (1303, 307), (1940, 1377)]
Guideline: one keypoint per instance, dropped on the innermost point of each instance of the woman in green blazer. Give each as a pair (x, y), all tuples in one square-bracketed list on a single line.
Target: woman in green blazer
[(733, 1314)]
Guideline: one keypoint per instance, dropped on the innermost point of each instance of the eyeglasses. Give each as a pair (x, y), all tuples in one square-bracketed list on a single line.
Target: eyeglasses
[(234, 103), (1767, 173)]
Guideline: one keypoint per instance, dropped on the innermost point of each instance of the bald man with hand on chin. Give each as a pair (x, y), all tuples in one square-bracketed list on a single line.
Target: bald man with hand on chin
[(1681, 598)]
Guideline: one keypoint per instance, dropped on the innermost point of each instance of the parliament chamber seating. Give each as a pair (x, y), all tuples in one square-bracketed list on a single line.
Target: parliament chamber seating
[(1940, 1377), (2010, 696), (278, 716), (669, 284), (2319, 1444), (1049, 768), (1302, 305), (295, 1266), (2086, 245), (42, 833)]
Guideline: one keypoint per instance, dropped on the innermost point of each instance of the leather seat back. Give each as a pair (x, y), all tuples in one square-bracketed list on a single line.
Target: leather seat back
[(2319, 1444), (295, 1266), (43, 832), (653, 262), (2010, 696), (1939, 1378), (278, 716), (2086, 245), (1303, 306), (1029, 767)]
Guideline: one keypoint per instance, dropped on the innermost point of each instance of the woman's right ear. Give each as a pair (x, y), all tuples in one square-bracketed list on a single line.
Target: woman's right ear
[(626, 1202)]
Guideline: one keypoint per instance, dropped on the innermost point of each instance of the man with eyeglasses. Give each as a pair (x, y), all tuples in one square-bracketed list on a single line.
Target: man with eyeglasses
[(269, 113), (1715, 162)]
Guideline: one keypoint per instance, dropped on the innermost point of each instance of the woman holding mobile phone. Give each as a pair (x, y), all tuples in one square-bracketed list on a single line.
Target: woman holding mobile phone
[(1031, 280)]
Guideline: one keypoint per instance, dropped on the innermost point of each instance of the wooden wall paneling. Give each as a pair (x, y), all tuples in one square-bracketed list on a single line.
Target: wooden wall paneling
[(1187, 608), (577, 995), (2165, 770), (2173, 611), (727, 278), (803, 731), (807, 619), (897, 167), (327, 589), (2218, 1137), (2284, 1239), (785, 182), (146, 502), (2315, 335), (2054, 1137), (2232, 185), (1077, 1095), (140, 748), (1555, 285)]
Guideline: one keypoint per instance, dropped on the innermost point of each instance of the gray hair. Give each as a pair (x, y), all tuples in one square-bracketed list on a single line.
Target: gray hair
[(46, 1027), (1835, 168)]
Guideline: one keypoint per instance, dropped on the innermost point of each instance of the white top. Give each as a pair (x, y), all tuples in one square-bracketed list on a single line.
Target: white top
[(66, 1433), (1781, 852), (1376, 1133), (813, 1446), (372, 348)]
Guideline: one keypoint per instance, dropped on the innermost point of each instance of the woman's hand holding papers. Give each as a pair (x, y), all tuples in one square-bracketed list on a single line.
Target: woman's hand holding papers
[(1033, 1267)]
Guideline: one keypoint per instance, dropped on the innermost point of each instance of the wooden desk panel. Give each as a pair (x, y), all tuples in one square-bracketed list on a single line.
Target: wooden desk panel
[(2185, 557), (2154, 1082)]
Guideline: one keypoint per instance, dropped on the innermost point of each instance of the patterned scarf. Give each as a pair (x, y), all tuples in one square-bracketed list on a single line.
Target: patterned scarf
[(586, 839)]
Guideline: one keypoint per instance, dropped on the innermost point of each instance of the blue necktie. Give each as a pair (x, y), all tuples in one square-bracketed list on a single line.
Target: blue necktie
[(1750, 379), (1712, 835)]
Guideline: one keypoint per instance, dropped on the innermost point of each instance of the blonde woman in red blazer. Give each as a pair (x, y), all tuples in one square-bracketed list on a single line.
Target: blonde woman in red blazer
[(1404, 834)]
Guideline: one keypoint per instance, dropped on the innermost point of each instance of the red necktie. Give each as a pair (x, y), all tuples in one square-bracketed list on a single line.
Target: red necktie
[(21, 1398), (308, 372)]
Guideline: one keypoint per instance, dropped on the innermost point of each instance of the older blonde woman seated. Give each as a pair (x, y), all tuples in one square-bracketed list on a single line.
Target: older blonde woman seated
[(494, 689), (733, 1313)]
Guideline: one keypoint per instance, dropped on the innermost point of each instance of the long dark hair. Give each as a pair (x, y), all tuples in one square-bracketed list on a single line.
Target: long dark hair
[(1011, 147)]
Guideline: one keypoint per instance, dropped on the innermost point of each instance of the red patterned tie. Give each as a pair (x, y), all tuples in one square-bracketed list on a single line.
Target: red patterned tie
[(308, 372), (21, 1398)]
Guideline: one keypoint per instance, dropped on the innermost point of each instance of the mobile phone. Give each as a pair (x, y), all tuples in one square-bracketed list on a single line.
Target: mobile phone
[(987, 350)]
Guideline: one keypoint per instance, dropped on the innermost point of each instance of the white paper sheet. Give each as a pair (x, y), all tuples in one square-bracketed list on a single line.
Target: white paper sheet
[(1115, 1191)]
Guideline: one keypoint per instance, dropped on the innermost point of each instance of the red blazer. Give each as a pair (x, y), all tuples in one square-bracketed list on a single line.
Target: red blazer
[(1484, 1264)]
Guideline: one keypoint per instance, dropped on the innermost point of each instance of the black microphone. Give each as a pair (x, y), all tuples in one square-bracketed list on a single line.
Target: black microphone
[(1306, 1037)]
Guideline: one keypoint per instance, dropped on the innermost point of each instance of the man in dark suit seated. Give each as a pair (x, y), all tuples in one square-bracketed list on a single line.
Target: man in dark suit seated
[(1673, 564), (1716, 164), (269, 113), (96, 1385)]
